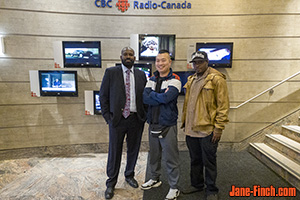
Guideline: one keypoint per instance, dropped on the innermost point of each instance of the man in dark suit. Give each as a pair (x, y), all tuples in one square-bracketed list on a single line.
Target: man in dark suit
[(121, 99)]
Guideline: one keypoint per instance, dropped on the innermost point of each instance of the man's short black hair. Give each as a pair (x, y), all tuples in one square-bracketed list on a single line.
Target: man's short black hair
[(163, 51)]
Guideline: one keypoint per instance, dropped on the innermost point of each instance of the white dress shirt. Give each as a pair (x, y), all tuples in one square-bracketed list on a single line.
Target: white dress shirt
[(132, 87)]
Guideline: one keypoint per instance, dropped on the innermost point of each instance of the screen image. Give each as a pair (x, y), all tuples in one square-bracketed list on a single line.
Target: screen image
[(58, 83), (97, 106), (149, 45), (183, 75), (147, 68), (219, 54), (82, 54)]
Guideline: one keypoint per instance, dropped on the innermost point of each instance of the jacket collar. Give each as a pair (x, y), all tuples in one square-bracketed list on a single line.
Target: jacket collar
[(210, 74), (156, 74), (125, 68)]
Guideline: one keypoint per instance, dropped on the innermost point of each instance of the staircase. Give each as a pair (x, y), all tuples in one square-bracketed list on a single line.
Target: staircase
[(281, 153)]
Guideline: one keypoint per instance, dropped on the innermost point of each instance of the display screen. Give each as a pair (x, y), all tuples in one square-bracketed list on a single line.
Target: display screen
[(150, 44), (183, 75), (82, 54), (147, 68), (58, 83), (219, 54), (97, 106)]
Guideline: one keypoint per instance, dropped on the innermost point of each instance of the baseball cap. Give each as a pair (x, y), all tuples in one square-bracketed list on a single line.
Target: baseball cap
[(201, 55)]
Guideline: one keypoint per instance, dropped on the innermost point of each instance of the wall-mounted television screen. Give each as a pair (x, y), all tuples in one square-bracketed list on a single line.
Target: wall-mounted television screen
[(219, 54), (58, 83), (183, 75), (150, 44), (145, 67), (82, 53), (97, 106)]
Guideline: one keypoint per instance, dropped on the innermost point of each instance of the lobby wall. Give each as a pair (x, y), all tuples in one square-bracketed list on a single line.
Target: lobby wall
[(266, 50)]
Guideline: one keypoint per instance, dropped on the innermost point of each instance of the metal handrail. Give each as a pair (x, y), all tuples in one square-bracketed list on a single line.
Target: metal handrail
[(281, 82)]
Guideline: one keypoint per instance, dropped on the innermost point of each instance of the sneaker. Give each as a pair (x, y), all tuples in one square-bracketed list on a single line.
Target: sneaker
[(173, 194), (151, 184)]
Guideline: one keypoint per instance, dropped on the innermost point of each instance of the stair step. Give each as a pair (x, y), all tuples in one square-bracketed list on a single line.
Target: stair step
[(285, 145), (283, 166), (292, 132)]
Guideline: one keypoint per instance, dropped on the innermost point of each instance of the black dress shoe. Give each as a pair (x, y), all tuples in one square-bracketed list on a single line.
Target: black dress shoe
[(109, 193), (190, 190), (132, 182)]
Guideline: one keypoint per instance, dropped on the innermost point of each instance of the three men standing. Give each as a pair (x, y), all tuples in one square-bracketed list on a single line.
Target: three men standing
[(205, 113)]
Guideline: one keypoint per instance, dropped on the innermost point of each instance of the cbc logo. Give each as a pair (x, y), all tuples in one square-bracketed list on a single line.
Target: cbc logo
[(103, 3)]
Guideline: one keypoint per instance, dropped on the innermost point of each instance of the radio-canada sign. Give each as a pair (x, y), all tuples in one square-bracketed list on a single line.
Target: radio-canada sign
[(123, 5)]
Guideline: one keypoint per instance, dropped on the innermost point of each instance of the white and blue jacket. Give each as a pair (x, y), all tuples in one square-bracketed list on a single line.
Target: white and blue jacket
[(167, 101)]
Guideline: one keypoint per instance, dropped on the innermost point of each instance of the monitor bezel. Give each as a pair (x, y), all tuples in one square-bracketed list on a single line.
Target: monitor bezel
[(58, 93), (71, 65), (147, 65), (96, 111), (152, 58), (211, 62)]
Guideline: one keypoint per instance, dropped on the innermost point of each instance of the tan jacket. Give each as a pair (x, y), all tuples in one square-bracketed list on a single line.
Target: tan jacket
[(212, 104)]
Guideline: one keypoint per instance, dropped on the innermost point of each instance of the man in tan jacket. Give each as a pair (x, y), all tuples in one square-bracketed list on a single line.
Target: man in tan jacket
[(205, 112)]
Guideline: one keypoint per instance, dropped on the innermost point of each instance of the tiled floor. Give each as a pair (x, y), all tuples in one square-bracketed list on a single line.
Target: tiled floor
[(82, 177), (79, 177)]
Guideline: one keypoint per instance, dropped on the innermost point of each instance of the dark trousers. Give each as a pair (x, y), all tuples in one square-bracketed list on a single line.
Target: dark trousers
[(203, 156), (133, 129)]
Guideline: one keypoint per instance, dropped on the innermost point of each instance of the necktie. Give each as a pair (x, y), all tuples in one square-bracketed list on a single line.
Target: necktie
[(126, 111)]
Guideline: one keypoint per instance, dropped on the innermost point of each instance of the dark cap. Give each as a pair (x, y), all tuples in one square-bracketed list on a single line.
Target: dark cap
[(199, 55)]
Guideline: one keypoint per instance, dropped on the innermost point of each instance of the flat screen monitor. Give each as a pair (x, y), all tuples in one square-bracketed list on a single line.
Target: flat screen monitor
[(58, 83), (145, 67), (219, 54), (97, 106), (82, 54), (150, 44), (183, 75)]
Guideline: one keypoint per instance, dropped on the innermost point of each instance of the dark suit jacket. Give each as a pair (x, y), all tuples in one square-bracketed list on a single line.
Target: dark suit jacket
[(113, 95)]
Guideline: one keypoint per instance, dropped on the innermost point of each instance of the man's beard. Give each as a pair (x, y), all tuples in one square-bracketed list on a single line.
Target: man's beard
[(128, 64)]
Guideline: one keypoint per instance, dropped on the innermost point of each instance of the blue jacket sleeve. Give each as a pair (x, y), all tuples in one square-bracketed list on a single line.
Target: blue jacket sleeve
[(147, 98), (166, 97)]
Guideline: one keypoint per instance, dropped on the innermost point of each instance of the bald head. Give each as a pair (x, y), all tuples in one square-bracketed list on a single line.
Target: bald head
[(127, 48)]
